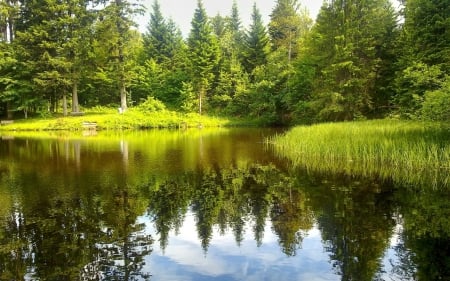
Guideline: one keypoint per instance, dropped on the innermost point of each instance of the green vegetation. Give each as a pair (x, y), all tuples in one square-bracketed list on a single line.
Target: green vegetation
[(357, 60), (110, 119), (409, 152)]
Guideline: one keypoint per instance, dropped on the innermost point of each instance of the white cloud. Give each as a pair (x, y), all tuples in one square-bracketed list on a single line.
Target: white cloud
[(185, 257)]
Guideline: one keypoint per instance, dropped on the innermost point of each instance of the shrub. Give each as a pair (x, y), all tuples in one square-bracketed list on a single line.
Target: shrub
[(151, 105), (436, 106)]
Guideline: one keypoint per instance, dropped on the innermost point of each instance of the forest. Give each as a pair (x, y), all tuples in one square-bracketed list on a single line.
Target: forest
[(359, 59)]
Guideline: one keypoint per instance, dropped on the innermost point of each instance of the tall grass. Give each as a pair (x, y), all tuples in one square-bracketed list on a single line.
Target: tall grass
[(407, 152)]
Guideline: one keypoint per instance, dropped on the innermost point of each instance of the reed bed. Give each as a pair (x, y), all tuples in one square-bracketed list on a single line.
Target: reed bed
[(407, 152)]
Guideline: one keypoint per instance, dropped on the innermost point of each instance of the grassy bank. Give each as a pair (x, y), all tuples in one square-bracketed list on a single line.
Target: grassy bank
[(409, 152), (110, 119)]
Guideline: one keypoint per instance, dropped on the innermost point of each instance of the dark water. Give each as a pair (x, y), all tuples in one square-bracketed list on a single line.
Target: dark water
[(206, 205)]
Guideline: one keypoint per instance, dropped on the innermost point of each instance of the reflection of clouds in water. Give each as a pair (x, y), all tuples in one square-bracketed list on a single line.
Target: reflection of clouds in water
[(184, 259)]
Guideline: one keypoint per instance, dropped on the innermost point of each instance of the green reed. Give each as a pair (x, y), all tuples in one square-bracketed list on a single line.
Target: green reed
[(407, 152)]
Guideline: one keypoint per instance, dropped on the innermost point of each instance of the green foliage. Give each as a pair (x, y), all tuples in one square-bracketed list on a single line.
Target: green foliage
[(436, 104), (203, 53), (427, 31), (189, 98), (300, 89), (256, 43), (163, 39), (346, 48), (424, 58), (151, 105), (354, 62), (412, 85), (269, 87), (288, 23), (110, 119)]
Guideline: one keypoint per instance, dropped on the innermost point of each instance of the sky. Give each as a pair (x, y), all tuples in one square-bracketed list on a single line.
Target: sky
[(182, 11), (225, 260)]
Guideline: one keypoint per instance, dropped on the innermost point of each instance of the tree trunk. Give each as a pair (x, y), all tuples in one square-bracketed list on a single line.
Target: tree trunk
[(121, 29), (64, 103), (11, 29), (200, 96), (4, 31), (123, 97), (9, 112), (53, 104), (75, 105)]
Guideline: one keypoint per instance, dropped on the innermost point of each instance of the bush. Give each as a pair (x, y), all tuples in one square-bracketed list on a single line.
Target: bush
[(151, 105), (436, 106)]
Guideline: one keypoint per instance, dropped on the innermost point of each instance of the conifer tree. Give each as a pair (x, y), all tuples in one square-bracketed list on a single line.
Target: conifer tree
[(156, 30), (115, 29), (346, 46), (287, 25), (235, 27), (162, 38), (78, 21), (235, 21), (42, 37), (424, 61), (8, 61), (427, 28), (256, 43), (203, 52)]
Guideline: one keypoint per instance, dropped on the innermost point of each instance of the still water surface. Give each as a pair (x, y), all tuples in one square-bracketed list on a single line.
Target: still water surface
[(211, 204)]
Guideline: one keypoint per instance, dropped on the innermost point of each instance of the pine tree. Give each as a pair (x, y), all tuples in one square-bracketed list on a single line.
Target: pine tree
[(235, 26), (156, 30), (256, 43), (203, 52), (346, 45), (427, 28), (42, 41), (287, 25), (8, 60), (162, 38), (231, 79), (424, 58), (78, 21)]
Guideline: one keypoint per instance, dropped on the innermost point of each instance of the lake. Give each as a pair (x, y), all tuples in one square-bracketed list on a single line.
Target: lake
[(206, 204)]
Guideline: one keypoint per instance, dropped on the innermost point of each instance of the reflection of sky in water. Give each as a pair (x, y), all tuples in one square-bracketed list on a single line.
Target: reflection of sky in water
[(184, 258)]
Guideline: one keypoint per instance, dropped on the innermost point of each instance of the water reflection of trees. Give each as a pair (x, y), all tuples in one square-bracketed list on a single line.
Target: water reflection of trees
[(88, 229), (355, 219), (229, 199), (425, 244), (61, 235)]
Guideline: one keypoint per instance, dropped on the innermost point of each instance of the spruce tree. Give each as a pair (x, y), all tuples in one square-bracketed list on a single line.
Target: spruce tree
[(235, 26), (427, 29), (203, 53), (43, 44), (8, 60), (256, 43), (78, 21), (116, 25), (424, 61), (347, 46), (287, 25), (162, 38)]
